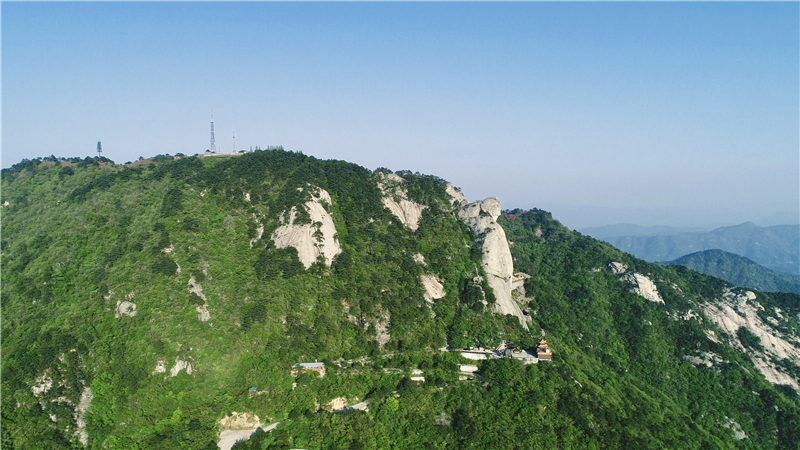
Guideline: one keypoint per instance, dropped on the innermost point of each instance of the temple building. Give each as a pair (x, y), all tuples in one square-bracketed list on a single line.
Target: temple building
[(543, 351), (304, 367)]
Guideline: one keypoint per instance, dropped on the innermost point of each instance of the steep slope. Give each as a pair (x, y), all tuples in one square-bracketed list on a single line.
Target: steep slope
[(314, 238), (155, 305), (497, 263), (739, 270), (777, 247)]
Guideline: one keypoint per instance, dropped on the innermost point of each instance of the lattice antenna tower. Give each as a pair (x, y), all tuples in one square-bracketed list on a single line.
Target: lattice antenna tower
[(234, 142), (99, 149), (213, 147)]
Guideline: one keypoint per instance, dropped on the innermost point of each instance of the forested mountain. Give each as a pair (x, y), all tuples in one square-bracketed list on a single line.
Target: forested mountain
[(739, 270), (776, 247), (164, 304)]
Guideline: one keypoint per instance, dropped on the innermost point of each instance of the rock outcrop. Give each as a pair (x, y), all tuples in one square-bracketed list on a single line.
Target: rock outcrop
[(641, 285), (497, 262), (395, 198), (644, 287), (455, 195), (125, 309), (312, 240), (433, 288), (739, 309), (202, 311), (80, 415), (180, 365)]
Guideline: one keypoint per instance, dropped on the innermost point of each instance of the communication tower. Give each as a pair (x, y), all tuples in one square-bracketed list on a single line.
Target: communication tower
[(99, 149), (213, 147), (234, 142)]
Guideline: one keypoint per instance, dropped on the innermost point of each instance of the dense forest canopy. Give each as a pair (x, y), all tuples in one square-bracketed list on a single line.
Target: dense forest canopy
[(141, 303)]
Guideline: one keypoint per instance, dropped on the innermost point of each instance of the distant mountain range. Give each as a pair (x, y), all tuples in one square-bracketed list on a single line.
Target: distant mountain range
[(630, 229), (739, 270), (776, 247)]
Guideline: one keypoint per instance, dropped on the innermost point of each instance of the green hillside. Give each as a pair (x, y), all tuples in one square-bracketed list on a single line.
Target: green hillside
[(141, 302), (739, 270)]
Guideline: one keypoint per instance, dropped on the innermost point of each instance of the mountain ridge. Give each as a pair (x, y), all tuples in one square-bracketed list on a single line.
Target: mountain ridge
[(776, 247), (630, 229), (738, 270), (144, 305)]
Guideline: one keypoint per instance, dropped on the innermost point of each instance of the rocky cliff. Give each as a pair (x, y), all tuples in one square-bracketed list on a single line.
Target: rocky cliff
[(314, 240), (497, 262)]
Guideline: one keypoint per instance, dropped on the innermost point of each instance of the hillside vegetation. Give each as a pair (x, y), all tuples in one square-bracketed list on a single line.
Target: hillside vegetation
[(739, 270), (141, 303)]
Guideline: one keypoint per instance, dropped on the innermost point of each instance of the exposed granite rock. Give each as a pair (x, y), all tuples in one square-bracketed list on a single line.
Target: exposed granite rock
[(497, 261), (433, 288), (395, 198), (312, 240)]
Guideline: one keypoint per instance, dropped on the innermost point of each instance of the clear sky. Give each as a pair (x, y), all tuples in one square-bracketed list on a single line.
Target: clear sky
[(683, 114)]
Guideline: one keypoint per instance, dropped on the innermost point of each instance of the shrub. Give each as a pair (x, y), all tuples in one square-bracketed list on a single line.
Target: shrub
[(748, 339), (165, 265)]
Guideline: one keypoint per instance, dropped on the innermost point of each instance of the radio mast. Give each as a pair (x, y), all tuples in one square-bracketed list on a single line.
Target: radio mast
[(213, 146)]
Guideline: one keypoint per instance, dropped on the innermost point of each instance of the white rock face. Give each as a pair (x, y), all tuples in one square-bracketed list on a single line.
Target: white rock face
[(125, 309), (497, 262), (707, 359), (43, 384), (419, 259), (617, 268), (433, 288), (196, 289), (202, 311), (644, 287), (180, 365), (302, 237), (736, 428), (455, 195), (80, 415), (737, 310), (161, 367), (395, 197)]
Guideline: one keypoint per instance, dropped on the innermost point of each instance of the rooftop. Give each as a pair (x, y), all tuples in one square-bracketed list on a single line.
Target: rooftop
[(314, 364)]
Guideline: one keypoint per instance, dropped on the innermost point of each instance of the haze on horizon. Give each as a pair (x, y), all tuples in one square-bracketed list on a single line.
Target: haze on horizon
[(680, 114)]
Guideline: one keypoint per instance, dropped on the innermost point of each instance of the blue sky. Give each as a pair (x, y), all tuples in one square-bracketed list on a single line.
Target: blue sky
[(682, 114)]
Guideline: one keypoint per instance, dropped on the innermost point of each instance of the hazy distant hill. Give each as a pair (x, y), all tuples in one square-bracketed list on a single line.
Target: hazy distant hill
[(777, 247), (739, 270), (630, 229)]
